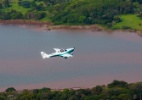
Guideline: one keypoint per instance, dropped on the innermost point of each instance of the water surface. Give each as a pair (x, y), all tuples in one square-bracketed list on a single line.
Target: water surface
[(99, 58)]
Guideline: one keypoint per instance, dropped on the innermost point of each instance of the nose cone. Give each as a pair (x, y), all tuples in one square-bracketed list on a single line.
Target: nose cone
[(69, 50), (72, 49)]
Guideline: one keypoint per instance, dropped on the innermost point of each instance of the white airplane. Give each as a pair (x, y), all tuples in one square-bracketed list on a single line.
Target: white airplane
[(65, 53)]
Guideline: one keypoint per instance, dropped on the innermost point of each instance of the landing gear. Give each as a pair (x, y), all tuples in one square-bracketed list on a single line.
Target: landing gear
[(65, 57)]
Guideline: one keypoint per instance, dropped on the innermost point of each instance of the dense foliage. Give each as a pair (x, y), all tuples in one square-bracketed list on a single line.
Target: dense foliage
[(117, 90), (94, 11), (105, 12)]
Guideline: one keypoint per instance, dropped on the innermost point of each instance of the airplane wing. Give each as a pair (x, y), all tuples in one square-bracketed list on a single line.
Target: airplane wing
[(57, 49), (66, 55)]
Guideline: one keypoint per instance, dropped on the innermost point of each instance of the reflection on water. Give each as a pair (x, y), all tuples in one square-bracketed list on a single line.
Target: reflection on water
[(99, 57)]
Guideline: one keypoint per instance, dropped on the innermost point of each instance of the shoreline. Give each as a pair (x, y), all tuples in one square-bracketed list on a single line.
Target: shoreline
[(50, 26)]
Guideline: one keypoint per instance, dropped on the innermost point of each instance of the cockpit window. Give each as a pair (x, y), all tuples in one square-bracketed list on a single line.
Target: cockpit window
[(62, 50)]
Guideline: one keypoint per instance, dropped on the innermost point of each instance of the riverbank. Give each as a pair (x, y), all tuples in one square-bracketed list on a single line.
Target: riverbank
[(88, 27), (51, 26)]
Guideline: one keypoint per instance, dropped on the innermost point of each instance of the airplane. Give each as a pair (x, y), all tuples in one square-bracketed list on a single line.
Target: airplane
[(65, 53)]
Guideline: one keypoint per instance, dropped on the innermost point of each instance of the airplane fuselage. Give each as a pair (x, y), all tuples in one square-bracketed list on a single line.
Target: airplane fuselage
[(65, 53), (62, 52)]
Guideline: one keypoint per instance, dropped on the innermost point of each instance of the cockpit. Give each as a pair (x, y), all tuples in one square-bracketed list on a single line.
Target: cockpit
[(62, 50)]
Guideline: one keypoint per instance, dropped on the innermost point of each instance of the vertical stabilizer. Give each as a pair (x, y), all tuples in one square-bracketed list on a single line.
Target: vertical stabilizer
[(44, 55)]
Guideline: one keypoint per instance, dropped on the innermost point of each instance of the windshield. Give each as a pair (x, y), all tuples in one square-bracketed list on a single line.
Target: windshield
[(62, 50)]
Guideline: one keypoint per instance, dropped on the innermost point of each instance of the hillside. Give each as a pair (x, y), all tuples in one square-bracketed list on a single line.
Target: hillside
[(109, 13)]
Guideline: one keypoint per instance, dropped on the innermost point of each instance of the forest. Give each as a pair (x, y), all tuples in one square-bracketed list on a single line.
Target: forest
[(116, 90), (71, 12)]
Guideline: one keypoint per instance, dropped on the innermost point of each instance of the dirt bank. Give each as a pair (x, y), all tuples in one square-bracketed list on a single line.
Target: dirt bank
[(50, 26), (90, 27)]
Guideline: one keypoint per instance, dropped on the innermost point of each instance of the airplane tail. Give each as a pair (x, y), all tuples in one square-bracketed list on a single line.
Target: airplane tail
[(44, 55)]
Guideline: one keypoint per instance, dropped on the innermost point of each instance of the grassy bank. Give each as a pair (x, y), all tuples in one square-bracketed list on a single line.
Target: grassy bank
[(130, 21)]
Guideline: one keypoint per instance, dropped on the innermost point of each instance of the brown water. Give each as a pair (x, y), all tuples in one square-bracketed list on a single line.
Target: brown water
[(99, 58)]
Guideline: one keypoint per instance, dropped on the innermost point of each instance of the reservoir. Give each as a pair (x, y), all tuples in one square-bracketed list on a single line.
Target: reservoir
[(99, 58)]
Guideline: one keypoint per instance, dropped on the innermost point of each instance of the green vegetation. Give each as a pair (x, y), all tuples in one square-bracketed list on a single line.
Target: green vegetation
[(114, 14), (117, 90), (129, 22), (11, 89), (15, 6)]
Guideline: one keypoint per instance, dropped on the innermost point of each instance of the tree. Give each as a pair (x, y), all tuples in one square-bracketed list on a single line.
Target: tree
[(93, 97), (124, 96), (0, 5), (40, 7), (44, 89), (35, 15), (136, 86), (82, 19), (11, 89), (2, 97), (15, 15), (5, 16), (25, 4), (6, 3), (117, 83), (97, 90)]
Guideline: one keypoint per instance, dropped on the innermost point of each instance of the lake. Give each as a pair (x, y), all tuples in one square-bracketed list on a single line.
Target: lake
[(99, 58)]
